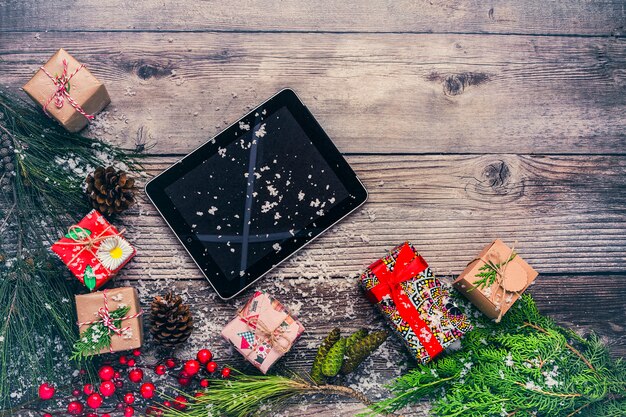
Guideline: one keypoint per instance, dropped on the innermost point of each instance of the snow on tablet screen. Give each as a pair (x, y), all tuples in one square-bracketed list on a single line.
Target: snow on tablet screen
[(255, 193)]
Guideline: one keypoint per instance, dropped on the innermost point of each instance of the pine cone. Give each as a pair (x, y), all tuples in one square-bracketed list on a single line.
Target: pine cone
[(7, 165), (322, 351), (355, 337), (110, 191), (359, 351), (172, 323), (334, 359)]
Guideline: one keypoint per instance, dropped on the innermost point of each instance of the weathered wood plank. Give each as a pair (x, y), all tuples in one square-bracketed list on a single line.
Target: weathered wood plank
[(373, 93), (499, 16), (565, 212)]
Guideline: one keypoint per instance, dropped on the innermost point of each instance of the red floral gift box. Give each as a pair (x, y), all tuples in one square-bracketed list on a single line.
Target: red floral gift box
[(94, 250), (415, 303)]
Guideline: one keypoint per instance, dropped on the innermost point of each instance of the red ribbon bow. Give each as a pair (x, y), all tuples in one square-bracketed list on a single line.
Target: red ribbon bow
[(408, 265), (61, 93)]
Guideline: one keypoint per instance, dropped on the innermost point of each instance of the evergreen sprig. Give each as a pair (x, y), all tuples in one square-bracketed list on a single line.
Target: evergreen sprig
[(38, 200), (489, 272), (524, 366), (97, 336)]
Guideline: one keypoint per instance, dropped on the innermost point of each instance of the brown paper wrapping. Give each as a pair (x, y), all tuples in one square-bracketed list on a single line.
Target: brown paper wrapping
[(85, 89), (87, 306), (495, 301)]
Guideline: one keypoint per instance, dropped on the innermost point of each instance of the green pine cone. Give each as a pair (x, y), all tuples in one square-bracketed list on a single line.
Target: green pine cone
[(359, 351), (355, 337), (334, 359), (322, 351)]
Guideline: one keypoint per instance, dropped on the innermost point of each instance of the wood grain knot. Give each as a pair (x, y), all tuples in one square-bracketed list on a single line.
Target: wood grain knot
[(497, 175), (455, 84), (146, 70)]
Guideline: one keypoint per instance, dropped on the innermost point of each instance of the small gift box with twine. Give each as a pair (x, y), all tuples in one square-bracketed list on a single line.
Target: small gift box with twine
[(108, 321), (94, 250), (67, 91), (263, 331), (495, 279), (415, 303)]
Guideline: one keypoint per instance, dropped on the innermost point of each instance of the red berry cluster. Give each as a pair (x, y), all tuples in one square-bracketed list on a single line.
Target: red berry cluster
[(112, 382)]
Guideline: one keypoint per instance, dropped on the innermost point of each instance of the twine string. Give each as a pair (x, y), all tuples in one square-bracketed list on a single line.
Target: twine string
[(274, 337), (61, 93), (86, 241), (104, 317)]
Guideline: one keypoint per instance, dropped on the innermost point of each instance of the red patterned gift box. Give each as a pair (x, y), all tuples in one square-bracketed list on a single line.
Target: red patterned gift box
[(263, 331), (416, 304), (94, 250)]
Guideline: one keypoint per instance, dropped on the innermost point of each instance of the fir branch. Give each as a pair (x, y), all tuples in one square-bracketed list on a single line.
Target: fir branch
[(489, 273), (97, 336), (40, 195)]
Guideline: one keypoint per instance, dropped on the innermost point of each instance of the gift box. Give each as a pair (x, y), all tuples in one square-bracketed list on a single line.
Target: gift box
[(495, 279), (67, 91), (415, 303), (263, 331), (113, 316), (94, 250)]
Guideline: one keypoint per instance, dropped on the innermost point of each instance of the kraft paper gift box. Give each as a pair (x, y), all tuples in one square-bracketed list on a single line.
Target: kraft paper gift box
[(67, 91), (417, 305), (495, 279), (94, 250), (89, 308), (263, 331)]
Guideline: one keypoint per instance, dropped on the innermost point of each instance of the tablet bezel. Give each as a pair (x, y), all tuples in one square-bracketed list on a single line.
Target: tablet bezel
[(155, 190)]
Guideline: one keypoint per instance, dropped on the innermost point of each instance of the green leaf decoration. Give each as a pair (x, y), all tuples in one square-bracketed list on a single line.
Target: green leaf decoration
[(78, 233), (89, 278), (67, 87)]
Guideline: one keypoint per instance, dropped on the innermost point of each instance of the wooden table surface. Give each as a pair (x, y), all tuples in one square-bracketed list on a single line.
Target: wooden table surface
[(466, 120)]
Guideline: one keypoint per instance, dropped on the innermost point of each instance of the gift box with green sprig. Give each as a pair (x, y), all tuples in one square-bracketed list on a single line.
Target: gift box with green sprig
[(108, 321), (94, 250)]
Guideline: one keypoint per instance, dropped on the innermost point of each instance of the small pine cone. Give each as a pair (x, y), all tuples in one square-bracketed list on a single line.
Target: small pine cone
[(172, 322), (334, 359), (316, 369), (355, 337), (110, 191), (360, 350)]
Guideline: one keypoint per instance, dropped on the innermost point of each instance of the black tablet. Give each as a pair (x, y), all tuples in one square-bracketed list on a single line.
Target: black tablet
[(256, 193)]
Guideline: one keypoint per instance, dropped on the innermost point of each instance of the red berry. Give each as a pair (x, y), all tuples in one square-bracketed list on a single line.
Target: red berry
[(119, 383), (135, 375), (117, 375), (225, 372), (107, 388), (160, 370), (204, 356), (76, 393), (94, 400), (204, 383), (106, 373), (180, 402), (131, 363), (47, 415), (46, 391), (88, 389), (75, 407), (119, 406), (123, 360), (211, 366), (129, 398), (147, 390), (167, 403), (184, 381), (129, 411), (192, 367), (91, 415), (106, 415), (170, 363), (136, 352)]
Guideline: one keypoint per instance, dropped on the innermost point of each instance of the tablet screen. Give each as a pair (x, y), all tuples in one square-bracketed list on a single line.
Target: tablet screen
[(261, 189)]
